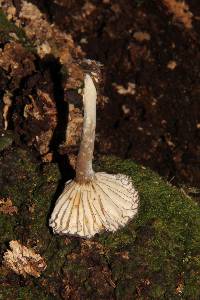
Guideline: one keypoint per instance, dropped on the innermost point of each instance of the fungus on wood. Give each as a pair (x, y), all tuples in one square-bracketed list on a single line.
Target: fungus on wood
[(93, 202)]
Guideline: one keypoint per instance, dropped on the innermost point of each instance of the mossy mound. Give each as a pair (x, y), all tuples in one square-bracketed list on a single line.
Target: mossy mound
[(156, 256)]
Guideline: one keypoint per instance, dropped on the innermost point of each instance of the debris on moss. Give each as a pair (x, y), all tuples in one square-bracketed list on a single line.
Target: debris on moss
[(155, 256), (6, 207), (181, 12), (23, 261)]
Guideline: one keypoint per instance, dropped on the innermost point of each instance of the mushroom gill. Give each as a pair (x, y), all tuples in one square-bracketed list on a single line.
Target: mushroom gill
[(93, 202)]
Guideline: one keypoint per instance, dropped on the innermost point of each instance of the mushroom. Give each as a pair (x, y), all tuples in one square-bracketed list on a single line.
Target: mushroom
[(93, 202)]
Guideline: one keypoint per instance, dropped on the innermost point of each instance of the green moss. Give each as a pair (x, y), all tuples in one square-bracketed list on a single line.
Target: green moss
[(24, 293), (6, 139), (160, 240), (7, 27), (156, 256)]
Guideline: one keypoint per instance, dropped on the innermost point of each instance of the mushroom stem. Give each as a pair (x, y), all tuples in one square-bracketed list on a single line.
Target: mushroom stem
[(84, 171), (93, 202)]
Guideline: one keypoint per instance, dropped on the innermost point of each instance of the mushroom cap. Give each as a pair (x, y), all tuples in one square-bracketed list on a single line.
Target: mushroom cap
[(104, 204)]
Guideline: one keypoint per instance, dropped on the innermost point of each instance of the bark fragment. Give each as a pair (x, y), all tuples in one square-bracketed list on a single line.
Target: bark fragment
[(23, 261)]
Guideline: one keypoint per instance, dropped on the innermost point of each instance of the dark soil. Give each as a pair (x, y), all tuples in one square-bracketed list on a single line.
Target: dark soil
[(157, 125)]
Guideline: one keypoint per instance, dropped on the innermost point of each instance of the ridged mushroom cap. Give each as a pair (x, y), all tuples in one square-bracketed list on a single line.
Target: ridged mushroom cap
[(104, 204)]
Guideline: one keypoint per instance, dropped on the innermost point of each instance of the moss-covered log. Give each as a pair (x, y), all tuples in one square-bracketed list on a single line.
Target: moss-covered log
[(156, 256)]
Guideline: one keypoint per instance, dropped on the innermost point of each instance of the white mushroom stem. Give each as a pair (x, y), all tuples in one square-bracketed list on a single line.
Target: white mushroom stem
[(93, 202), (84, 171)]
